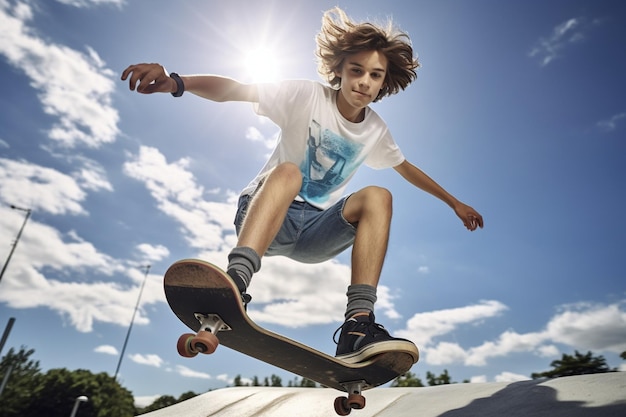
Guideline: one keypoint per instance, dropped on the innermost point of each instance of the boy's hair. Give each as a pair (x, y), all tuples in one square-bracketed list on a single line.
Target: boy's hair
[(339, 37)]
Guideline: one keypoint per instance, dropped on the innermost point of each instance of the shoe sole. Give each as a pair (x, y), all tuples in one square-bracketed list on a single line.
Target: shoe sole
[(373, 349)]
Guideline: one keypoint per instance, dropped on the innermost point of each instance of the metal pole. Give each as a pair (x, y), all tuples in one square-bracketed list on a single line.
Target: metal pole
[(6, 378), (17, 239), (5, 335), (119, 363), (79, 400)]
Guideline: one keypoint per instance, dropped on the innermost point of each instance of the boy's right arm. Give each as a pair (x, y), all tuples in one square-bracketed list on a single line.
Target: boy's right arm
[(153, 78)]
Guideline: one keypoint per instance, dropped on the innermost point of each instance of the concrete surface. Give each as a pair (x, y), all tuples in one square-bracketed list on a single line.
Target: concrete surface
[(598, 395)]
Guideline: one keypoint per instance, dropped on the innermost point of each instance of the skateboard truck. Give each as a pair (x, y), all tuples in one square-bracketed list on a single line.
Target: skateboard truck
[(205, 341), (354, 400)]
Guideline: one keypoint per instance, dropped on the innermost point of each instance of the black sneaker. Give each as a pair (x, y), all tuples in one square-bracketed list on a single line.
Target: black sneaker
[(241, 286), (361, 338)]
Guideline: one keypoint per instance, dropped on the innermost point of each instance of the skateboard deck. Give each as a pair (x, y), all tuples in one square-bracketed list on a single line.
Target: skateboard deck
[(205, 299)]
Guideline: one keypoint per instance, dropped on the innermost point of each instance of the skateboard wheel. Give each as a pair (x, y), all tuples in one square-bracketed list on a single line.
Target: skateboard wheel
[(341, 406), (204, 342), (184, 346), (356, 401)]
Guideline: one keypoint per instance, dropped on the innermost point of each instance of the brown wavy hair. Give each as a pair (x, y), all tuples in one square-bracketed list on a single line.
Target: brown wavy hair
[(340, 37)]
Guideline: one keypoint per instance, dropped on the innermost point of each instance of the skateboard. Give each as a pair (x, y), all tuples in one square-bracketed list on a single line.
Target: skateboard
[(205, 299)]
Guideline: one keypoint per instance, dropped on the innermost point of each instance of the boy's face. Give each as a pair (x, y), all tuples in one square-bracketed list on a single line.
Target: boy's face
[(362, 77)]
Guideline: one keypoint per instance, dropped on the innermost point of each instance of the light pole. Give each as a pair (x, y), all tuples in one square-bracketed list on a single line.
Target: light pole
[(119, 363), (17, 239), (79, 400)]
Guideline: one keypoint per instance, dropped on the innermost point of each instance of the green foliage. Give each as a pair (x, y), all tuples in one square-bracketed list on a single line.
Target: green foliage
[(302, 383), (407, 380), (165, 401), (442, 379), (411, 380), (623, 355), (31, 393), (273, 381), (276, 381), (578, 364), (21, 383)]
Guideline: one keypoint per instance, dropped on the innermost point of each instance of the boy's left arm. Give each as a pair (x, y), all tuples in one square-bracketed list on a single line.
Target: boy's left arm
[(470, 217)]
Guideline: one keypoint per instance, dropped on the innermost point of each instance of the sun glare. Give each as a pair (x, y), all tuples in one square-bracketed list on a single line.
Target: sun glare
[(261, 65)]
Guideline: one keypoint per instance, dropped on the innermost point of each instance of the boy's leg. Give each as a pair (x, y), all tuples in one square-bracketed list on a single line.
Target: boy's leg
[(370, 209), (265, 215)]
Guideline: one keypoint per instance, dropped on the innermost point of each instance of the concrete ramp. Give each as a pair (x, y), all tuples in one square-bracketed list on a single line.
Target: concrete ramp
[(598, 395)]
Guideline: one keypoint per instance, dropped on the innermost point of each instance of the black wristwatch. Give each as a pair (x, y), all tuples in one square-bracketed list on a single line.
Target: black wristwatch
[(180, 86)]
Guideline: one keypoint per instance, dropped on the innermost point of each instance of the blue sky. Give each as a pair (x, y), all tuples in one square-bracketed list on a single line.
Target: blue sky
[(518, 110)]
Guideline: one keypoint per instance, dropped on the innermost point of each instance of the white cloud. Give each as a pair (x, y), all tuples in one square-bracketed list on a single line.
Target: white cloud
[(422, 328), (224, 378), (72, 86), (563, 35), (478, 379), (611, 123), (40, 188), (583, 326), (89, 3), (508, 342), (77, 280), (590, 327), (149, 359), (145, 400), (107, 349), (255, 135), (91, 175), (204, 223), (510, 377), (445, 353), (190, 373), (153, 253)]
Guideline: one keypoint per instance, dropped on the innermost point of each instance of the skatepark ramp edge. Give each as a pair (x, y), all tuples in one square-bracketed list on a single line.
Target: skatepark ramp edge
[(597, 395)]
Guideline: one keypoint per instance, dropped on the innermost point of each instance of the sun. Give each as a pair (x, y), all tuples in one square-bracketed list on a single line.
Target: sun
[(262, 64)]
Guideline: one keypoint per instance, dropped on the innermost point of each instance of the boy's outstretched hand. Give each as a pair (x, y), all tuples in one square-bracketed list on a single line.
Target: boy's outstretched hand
[(470, 217), (152, 78)]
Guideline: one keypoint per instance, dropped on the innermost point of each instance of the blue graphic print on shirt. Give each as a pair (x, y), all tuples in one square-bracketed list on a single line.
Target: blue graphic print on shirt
[(329, 160)]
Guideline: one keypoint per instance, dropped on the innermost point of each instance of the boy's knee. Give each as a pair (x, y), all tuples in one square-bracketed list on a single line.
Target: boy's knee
[(289, 169), (378, 196), (288, 174)]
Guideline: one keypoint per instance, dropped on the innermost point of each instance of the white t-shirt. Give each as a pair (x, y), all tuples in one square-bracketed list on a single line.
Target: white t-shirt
[(317, 138)]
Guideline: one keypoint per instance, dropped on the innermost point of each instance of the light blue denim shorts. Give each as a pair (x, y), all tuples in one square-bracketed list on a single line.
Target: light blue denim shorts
[(308, 234)]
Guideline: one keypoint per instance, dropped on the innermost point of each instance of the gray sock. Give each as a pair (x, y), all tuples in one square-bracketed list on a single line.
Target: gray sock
[(361, 298), (245, 262)]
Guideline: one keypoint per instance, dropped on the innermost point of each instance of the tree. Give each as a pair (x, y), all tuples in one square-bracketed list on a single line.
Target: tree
[(165, 401), (302, 383), (307, 383), (407, 380), (276, 381), (623, 355), (578, 364), (58, 389), (21, 383), (161, 402), (442, 379), (186, 395), (237, 382)]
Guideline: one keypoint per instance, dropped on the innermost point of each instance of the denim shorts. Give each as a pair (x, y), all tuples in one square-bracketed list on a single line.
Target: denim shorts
[(308, 234)]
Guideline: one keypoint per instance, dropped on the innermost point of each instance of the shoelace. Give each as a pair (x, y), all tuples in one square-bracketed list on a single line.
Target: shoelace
[(378, 326), (341, 328)]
